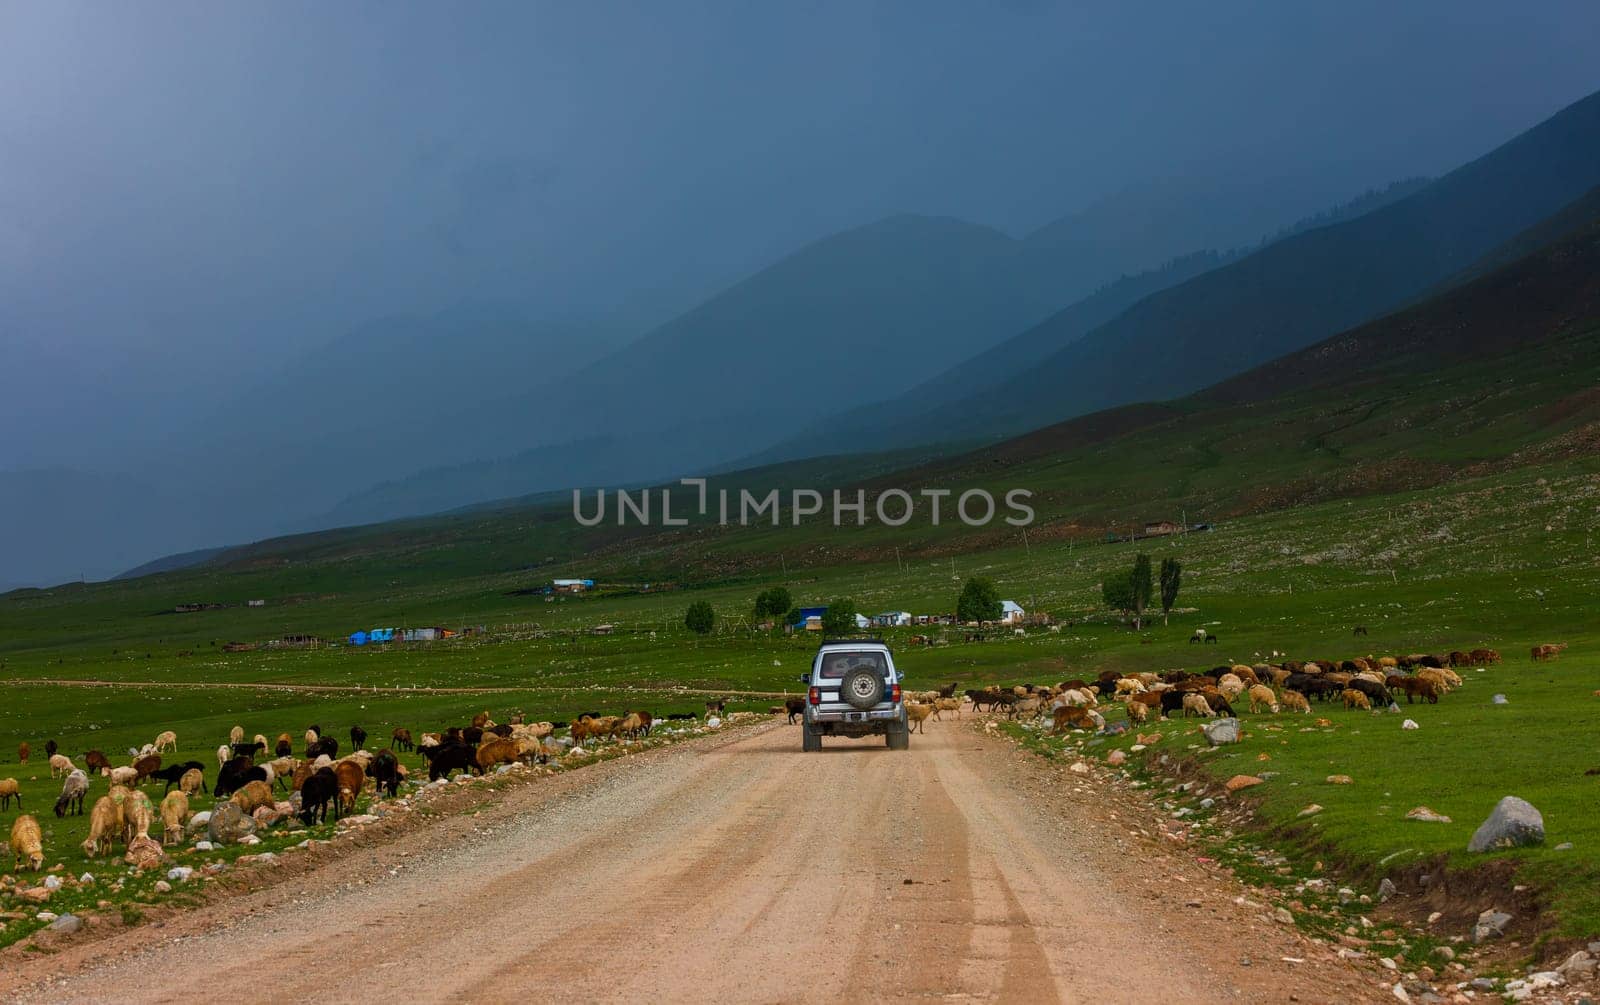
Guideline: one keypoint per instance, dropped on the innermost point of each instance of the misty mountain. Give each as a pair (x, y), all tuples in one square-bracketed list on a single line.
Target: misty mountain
[(1290, 293)]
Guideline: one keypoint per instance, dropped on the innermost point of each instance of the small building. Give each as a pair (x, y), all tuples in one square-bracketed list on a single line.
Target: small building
[(810, 619), (572, 585), (1162, 528), (862, 622), (1011, 613), (892, 619), (421, 634), (255, 603)]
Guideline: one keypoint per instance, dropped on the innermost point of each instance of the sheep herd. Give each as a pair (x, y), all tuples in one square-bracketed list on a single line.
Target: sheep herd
[(1360, 683), (266, 781)]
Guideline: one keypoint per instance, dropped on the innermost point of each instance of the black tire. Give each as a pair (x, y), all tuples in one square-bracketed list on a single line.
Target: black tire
[(810, 739), (862, 688), (898, 739)]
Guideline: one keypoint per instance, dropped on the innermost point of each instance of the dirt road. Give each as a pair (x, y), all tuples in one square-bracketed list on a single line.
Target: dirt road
[(741, 870)]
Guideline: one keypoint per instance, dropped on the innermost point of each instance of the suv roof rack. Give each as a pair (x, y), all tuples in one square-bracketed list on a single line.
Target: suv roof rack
[(853, 642)]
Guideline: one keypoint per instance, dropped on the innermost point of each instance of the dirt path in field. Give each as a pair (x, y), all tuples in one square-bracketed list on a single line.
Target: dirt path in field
[(740, 869), (358, 689)]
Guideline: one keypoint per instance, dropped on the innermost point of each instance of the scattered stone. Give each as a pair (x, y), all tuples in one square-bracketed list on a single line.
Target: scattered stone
[(1427, 816), (180, 874), (1401, 993), (1513, 824), (1311, 811), (1386, 889), (1499, 699), (1341, 780), (1221, 731), (1564, 846), (1410, 724), (162, 886), (229, 824), (1238, 782), (1579, 964), (1282, 916), (67, 924), (1079, 768), (144, 852), (52, 882), (1207, 803), (198, 822), (1491, 925), (1445, 953)]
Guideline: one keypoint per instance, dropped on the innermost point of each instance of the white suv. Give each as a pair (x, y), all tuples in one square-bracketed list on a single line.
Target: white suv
[(853, 689)]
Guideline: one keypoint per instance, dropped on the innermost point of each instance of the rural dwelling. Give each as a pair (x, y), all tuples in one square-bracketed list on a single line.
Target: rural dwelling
[(421, 634), (892, 619), (861, 621), (810, 619), (1161, 528), (1011, 613), (572, 585), (255, 603)]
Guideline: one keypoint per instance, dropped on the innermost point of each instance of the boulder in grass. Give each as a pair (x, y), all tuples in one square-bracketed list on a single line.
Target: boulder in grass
[(1221, 731), (1513, 824), (1426, 815), (229, 824), (1240, 782), (144, 852)]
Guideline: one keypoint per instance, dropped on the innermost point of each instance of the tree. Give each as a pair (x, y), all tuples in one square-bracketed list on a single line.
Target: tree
[(773, 603), (700, 618), (1171, 577), (1117, 592), (840, 618), (1143, 588), (979, 601), (793, 617)]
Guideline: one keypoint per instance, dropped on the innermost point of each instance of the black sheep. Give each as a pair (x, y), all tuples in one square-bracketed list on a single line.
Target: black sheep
[(50, 748), (449, 757), (235, 775), (173, 774), (249, 750), (386, 772), (318, 791), (326, 745), (358, 737), (1376, 693), (284, 748)]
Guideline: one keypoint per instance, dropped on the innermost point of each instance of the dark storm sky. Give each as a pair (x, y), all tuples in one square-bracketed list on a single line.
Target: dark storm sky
[(191, 189)]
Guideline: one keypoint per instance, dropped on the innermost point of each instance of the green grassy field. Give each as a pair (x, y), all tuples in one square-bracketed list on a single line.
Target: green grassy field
[(1505, 561)]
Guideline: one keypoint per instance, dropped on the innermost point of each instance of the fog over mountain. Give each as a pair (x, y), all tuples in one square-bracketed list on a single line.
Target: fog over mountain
[(263, 268)]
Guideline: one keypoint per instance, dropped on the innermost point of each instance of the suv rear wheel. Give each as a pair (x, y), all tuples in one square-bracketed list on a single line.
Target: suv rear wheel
[(898, 736), (809, 739)]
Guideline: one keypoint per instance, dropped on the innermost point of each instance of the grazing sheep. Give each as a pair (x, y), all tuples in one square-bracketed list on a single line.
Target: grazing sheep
[(1232, 689), (1388, 663), (1485, 656), (284, 746), (1129, 685), (947, 705), (358, 738), (352, 779), (312, 736), (282, 769), (124, 776), (1194, 701), (1295, 701), (27, 844), (1355, 699), (61, 764), (224, 752), (72, 792), (9, 790), (319, 789), (174, 814), (386, 772), (144, 767), (500, 751), (138, 813), (1261, 695), (1416, 687), (401, 738), (1138, 711), (236, 735), (193, 780), (167, 741), (252, 796), (917, 716), (172, 774), (105, 825), (22, 752), (327, 746), (235, 775)]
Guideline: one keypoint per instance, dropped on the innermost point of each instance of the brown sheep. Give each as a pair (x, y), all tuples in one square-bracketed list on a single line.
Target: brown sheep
[(401, 739), (1296, 701), (254, 795), (1414, 687), (144, 767), (917, 715), (481, 719), (60, 764), (193, 781), (174, 814), (947, 705), (9, 790), (351, 780), (1485, 656), (22, 752), (1355, 699), (236, 735), (1073, 716), (105, 825), (138, 813), (1262, 696), (1138, 711), (27, 844), (1195, 702), (167, 741), (503, 750)]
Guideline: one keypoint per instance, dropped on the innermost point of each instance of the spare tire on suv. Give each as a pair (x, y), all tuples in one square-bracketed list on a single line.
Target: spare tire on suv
[(862, 687)]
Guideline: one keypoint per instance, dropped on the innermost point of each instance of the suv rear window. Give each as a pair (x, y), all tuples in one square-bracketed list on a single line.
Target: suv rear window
[(836, 664)]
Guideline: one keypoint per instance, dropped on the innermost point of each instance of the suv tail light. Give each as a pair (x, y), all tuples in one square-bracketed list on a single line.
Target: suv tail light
[(815, 696), (894, 692)]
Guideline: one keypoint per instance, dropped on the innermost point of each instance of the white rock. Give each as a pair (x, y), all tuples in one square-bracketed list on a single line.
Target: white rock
[(52, 882), (205, 845), (1410, 724), (180, 874)]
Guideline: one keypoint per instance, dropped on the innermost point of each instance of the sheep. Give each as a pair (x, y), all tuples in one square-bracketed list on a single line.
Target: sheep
[(401, 738), (252, 796), (447, 757), (326, 746), (1075, 716), (502, 751), (351, 779), (1440, 682), (947, 705), (224, 752), (124, 776), (61, 764), (1296, 701), (27, 844), (1129, 685), (138, 813), (22, 752), (1419, 686), (1388, 663), (72, 792), (236, 735), (50, 748), (917, 716), (1485, 656), (166, 741), (1232, 689), (312, 736), (1030, 707), (1355, 699), (358, 737), (282, 769), (1261, 695), (386, 772), (174, 814), (235, 775), (284, 747), (173, 774), (320, 788), (193, 780), (144, 767), (105, 825), (1194, 701), (9, 790)]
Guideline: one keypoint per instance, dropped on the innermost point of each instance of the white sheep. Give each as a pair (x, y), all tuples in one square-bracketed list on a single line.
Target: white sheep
[(60, 764), (166, 741), (223, 753)]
